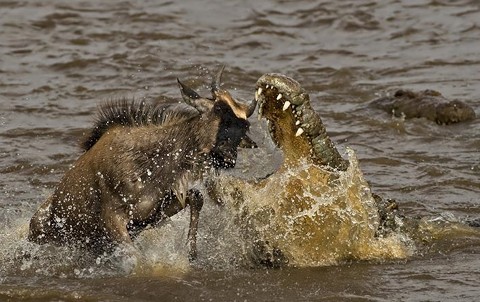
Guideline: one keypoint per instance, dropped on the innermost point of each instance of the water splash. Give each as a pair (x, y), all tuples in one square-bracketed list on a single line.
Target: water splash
[(312, 216), (157, 251), (305, 214)]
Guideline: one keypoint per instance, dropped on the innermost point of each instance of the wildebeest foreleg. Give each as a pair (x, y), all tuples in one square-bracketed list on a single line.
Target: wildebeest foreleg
[(195, 200), (116, 226), (115, 222)]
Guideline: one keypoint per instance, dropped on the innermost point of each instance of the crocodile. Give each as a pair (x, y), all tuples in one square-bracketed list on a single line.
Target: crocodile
[(429, 104), (316, 208)]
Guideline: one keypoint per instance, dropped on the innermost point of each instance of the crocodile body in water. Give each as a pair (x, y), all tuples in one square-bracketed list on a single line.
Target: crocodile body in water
[(429, 104)]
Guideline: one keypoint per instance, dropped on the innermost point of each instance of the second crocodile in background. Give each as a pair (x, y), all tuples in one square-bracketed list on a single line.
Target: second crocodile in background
[(429, 104)]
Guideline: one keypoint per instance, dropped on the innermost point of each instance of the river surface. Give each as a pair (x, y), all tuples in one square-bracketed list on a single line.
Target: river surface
[(60, 59)]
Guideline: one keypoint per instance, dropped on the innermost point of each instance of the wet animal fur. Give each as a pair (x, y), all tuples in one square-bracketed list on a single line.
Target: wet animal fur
[(140, 165), (131, 114)]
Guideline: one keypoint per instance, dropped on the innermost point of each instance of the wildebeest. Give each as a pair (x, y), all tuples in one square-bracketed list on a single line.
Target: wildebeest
[(140, 165)]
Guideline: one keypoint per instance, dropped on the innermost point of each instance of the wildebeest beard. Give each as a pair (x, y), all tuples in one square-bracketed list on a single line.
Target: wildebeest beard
[(230, 134)]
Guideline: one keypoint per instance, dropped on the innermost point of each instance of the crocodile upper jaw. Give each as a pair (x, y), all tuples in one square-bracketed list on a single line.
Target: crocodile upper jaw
[(294, 125)]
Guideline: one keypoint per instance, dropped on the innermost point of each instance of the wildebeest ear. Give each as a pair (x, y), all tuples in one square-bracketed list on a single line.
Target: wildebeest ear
[(247, 142), (194, 99), (217, 81)]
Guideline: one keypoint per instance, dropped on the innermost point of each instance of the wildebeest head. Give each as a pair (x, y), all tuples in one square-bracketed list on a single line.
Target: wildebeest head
[(228, 117)]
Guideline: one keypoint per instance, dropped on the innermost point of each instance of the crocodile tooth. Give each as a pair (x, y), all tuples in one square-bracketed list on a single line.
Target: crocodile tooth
[(286, 105), (259, 91), (279, 96), (266, 86), (297, 123), (256, 95), (299, 132)]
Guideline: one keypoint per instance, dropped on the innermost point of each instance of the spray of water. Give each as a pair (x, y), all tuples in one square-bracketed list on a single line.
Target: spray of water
[(303, 216), (312, 217)]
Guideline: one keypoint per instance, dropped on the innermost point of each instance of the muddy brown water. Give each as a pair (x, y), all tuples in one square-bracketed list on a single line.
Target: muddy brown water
[(60, 59)]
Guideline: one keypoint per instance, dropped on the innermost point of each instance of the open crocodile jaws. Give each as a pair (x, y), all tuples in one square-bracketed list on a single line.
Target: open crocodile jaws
[(294, 125)]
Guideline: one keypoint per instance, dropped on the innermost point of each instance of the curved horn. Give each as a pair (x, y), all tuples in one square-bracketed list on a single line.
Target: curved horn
[(217, 81), (251, 108)]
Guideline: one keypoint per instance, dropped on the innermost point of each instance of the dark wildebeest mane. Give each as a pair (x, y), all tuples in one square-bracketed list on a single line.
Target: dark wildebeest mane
[(129, 113)]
